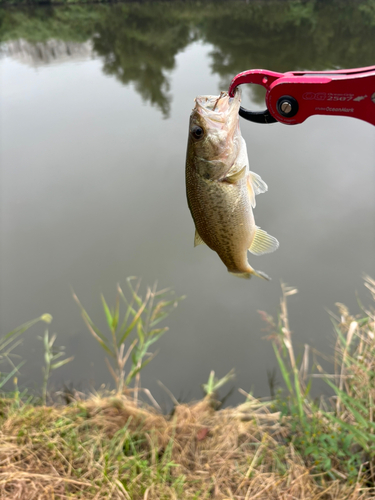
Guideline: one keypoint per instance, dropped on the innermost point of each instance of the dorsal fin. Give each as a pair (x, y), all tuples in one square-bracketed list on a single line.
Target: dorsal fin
[(263, 243)]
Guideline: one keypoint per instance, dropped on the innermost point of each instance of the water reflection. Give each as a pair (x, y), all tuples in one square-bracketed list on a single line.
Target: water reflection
[(139, 42), (289, 36), (52, 51)]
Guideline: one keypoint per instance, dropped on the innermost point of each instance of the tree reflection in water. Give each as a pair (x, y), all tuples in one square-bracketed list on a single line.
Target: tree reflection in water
[(139, 41), (139, 44)]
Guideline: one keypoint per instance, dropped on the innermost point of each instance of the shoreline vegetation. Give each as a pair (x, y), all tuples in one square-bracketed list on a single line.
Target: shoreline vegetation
[(115, 445), (88, 2)]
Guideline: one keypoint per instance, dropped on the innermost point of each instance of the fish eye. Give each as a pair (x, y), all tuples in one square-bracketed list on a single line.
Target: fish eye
[(197, 132)]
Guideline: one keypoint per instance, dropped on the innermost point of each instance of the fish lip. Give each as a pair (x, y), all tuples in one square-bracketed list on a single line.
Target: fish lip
[(217, 109), (218, 116)]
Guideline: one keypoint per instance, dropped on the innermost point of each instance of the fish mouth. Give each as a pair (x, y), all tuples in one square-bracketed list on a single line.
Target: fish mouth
[(218, 108)]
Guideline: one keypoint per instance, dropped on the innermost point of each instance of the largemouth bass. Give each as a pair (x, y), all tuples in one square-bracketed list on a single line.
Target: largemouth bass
[(220, 187)]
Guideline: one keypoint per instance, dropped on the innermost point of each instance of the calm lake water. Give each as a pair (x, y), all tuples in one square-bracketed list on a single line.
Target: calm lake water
[(95, 102)]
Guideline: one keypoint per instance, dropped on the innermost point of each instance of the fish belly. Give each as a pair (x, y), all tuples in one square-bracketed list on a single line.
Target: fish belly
[(223, 218)]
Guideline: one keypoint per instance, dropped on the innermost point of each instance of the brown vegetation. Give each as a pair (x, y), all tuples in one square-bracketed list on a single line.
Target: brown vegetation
[(95, 449)]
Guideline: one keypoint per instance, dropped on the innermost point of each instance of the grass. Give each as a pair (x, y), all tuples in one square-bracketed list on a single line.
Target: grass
[(51, 354), (9, 342), (131, 337), (113, 446), (336, 438)]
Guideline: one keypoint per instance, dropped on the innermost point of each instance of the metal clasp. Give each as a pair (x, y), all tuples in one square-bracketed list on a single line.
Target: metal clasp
[(258, 77)]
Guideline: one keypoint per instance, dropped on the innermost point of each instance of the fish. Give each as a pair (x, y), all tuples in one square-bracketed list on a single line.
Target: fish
[(220, 187)]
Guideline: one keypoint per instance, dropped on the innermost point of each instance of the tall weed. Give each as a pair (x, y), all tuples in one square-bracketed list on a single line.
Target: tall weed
[(130, 338), (10, 341), (51, 354), (335, 435)]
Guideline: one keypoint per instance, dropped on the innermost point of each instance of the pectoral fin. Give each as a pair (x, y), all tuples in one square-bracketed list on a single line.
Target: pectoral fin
[(256, 185), (233, 178), (198, 240), (263, 243)]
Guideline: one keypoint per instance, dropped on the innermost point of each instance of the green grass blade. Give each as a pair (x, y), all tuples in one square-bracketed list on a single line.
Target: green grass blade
[(209, 387), (25, 326), (361, 437), (140, 332), (12, 335), (298, 393), (57, 355), (10, 375), (107, 312), (61, 363), (339, 334), (159, 318), (351, 405), (136, 297), (283, 369), (95, 332), (136, 318), (308, 388), (129, 307), (134, 371), (46, 341), (116, 314)]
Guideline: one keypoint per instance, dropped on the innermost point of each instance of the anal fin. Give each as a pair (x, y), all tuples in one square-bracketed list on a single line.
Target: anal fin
[(259, 274), (263, 243), (198, 240)]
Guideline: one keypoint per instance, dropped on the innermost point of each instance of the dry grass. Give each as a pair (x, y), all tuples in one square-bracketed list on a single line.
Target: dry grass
[(108, 448)]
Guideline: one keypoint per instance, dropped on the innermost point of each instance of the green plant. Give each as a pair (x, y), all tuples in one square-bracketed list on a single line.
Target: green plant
[(354, 383), (10, 341), (294, 377), (51, 355), (137, 328), (337, 436), (145, 464), (213, 384)]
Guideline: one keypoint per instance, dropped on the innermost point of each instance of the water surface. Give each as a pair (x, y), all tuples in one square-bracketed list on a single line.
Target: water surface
[(94, 119)]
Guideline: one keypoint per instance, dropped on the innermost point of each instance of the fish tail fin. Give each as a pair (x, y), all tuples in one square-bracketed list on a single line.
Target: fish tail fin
[(249, 274)]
